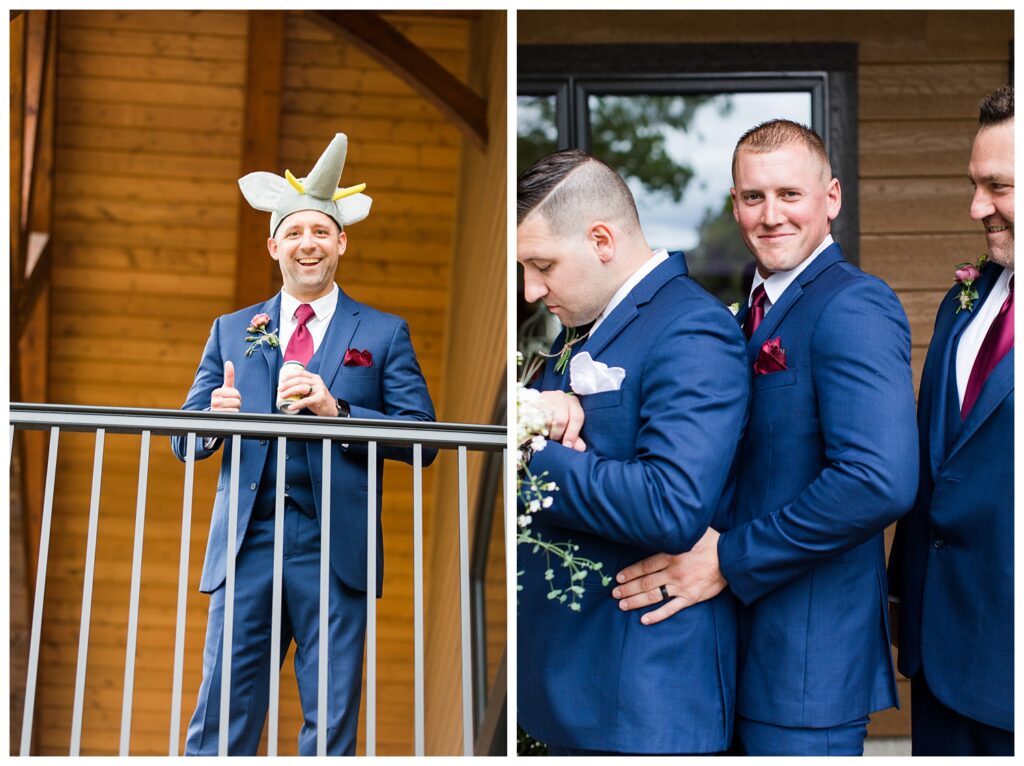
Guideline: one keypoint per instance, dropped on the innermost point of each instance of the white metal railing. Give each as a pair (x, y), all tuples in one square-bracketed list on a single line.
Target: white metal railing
[(194, 425)]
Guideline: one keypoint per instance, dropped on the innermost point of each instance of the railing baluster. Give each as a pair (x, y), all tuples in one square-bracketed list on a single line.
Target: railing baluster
[(133, 602), (229, 599), (467, 646), (37, 609), (87, 580), (417, 556), (325, 592), (371, 598), (179, 630), (275, 610)]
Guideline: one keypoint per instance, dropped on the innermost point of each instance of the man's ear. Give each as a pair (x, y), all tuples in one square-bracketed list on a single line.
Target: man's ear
[(601, 237), (735, 211), (272, 247), (834, 195), (342, 242)]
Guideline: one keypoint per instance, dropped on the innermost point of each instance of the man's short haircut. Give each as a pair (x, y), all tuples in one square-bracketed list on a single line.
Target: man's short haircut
[(570, 188), (996, 107), (774, 134)]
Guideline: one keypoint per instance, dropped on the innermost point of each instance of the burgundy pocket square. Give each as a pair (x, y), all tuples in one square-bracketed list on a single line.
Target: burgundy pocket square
[(356, 358), (772, 358)]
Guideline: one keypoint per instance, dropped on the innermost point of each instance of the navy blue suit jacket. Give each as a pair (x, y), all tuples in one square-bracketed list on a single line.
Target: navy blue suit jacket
[(392, 387), (660, 451), (952, 558), (829, 460)]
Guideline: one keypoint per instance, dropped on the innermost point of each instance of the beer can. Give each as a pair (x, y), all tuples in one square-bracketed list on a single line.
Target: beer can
[(288, 370)]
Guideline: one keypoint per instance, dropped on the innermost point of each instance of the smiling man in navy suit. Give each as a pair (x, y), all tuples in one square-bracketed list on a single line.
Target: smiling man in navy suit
[(642, 463), (951, 569), (356, 361), (829, 459)]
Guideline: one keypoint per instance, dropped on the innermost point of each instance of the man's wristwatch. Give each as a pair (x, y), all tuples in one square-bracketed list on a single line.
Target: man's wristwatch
[(344, 410)]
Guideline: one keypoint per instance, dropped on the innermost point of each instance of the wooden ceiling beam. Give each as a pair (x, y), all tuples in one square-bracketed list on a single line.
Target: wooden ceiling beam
[(380, 40)]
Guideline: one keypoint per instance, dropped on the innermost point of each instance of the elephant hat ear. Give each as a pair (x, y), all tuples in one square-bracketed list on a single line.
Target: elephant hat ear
[(319, 190)]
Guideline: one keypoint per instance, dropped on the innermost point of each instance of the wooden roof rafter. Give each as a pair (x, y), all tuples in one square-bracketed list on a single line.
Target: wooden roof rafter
[(418, 69)]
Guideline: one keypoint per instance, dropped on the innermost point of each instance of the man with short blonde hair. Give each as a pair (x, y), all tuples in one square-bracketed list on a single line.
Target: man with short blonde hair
[(818, 479)]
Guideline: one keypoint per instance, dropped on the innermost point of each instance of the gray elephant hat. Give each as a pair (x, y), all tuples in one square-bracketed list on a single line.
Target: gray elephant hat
[(317, 191)]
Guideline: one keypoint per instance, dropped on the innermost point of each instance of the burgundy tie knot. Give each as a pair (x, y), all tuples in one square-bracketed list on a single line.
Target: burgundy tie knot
[(304, 313), (756, 311), (300, 346)]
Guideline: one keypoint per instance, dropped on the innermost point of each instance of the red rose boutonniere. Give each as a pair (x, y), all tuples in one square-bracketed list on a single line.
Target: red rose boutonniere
[(257, 333), (966, 275), (357, 358), (772, 358)]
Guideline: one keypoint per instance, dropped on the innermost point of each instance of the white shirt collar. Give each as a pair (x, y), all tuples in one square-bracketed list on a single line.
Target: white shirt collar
[(778, 281), (323, 307), (656, 259)]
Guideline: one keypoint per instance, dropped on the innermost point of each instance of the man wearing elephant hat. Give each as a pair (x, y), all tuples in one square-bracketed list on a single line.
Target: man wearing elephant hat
[(352, 360)]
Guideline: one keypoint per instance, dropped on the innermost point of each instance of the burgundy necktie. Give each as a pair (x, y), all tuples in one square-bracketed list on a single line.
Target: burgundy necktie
[(300, 346), (998, 341), (756, 311)]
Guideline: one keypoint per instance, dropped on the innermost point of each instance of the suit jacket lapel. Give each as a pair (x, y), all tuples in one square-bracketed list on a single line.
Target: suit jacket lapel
[(997, 387), (949, 329), (628, 308), (328, 358), (830, 256)]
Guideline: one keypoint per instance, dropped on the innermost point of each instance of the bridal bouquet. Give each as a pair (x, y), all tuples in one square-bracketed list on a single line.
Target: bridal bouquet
[(535, 493)]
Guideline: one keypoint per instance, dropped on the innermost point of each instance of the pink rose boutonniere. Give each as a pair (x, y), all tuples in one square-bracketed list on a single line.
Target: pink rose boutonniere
[(356, 358), (257, 333), (966, 275), (772, 358)]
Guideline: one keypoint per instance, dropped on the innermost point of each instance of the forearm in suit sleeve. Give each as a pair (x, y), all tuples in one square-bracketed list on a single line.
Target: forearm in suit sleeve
[(865, 396), (694, 397)]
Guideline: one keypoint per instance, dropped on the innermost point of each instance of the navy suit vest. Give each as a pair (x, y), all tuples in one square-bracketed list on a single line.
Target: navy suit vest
[(298, 485)]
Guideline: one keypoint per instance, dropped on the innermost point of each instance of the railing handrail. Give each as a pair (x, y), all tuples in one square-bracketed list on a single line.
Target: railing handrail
[(75, 417)]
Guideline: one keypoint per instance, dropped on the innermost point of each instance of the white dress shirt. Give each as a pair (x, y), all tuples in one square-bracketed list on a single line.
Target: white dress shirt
[(778, 281), (658, 257), (974, 335), (323, 308)]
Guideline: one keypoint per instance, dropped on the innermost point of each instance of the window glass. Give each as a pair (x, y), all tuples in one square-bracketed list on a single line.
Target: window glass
[(537, 129)]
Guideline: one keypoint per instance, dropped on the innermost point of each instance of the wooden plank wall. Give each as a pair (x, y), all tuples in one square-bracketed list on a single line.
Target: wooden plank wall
[(474, 349), (148, 149), (920, 77)]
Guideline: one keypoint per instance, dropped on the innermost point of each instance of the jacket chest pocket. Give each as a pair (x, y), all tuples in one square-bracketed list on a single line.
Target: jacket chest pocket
[(601, 401), (774, 380)]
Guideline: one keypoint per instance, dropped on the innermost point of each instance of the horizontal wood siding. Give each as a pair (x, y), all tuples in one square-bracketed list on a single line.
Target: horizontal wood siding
[(474, 354)]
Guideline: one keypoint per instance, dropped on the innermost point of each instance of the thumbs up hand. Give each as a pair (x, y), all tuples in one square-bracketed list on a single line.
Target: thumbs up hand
[(227, 398)]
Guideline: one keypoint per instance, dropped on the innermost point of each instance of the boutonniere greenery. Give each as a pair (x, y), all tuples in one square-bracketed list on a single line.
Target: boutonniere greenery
[(258, 334), (734, 308), (572, 338), (966, 275)]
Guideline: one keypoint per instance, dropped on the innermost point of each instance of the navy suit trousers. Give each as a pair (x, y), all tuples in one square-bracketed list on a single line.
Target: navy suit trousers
[(300, 620)]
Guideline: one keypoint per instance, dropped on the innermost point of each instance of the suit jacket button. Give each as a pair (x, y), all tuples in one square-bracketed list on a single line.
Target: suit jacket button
[(938, 543), (253, 486)]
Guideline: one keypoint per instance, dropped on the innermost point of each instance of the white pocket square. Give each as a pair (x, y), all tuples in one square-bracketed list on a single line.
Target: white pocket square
[(589, 377)]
